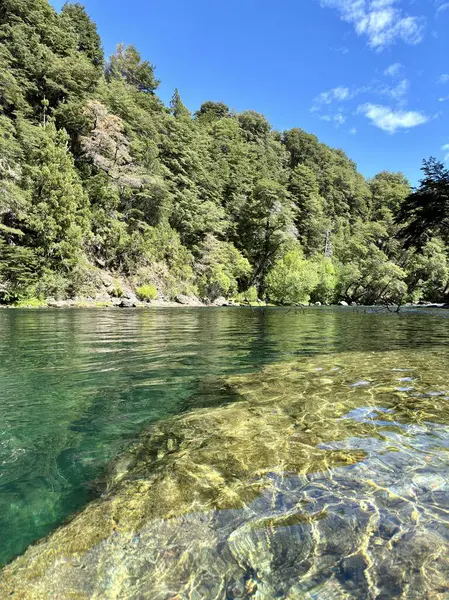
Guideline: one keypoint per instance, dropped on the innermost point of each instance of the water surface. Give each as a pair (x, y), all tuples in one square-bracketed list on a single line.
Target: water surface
[(78, 386)]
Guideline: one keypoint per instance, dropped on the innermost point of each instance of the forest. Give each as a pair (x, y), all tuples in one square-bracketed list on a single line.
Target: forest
[(98, 177)]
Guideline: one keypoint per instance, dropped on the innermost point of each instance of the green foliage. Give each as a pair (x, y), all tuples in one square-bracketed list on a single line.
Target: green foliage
[(30, 303), (366, 275), (88, 40), (265, 226), (117, 290), (127, 64), (220, 267), (19, 272), (147, 292), (325, 289), (177, 108), (425, 212), (211, 111), (428, 272), (57, 221), (292, 279), (97, 174), (250, 296), (52, 284)]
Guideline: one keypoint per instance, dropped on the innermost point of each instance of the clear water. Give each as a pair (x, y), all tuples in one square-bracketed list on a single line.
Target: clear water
[(76, 387)]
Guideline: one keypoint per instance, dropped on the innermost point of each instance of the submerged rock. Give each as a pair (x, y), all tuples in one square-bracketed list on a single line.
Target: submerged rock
[(305, 487)]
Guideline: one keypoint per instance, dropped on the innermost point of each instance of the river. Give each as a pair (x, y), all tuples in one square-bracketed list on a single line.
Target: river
[(77, 387)]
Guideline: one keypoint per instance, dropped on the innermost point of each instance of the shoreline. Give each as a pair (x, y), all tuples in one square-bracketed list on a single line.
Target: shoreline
[(125, 303)]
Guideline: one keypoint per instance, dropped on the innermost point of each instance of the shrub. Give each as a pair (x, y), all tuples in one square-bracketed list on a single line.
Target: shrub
[(30, 303), (251, 295), (18, 272), (52, 285), (147, 292), (117, 290), (221, 265), (292, 279)]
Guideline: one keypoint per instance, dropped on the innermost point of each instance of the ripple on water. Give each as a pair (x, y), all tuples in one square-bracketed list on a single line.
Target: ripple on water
[(304, 487)]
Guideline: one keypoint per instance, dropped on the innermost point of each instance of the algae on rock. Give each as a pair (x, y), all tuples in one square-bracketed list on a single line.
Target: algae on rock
[(316, 481)]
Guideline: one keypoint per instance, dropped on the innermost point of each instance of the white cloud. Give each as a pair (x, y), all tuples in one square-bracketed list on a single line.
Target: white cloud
[(400, 91), (391, 120), (379, 20), (443, 99), (338, 119), (393, 70), (444, 78), (445, 149), (443, 6), (353, 131), (336, 94)]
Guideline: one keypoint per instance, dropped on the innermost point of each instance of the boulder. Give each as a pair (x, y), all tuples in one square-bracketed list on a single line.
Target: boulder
[(343, 303), (102, 297), (51, 303), (317, 303), (106, 279), (187, 300), (241, 500), (126, 303), (221, 301), (129, 294)]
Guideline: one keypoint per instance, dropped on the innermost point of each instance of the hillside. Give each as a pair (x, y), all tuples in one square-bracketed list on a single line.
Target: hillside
[(102, 187)]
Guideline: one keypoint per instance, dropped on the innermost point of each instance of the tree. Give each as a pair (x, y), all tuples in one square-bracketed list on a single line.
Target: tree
[(426, 210), (177, 108), (220, 267), (310, 220), (254, 125), (292, 279), (88, 40), (58, 219), (265, 225), (19, 272), (95, 171), (127, 64), (428, 272), (211, 111)]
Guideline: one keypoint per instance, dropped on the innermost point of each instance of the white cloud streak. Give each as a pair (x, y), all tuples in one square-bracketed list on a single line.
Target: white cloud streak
[(338, 119), (381, 21), (393, 70), (442, 7), (391, 120), (445, 149), (336, 94)]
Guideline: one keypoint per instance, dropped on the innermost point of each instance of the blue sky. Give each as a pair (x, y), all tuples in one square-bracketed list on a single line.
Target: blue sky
[(368, 76)]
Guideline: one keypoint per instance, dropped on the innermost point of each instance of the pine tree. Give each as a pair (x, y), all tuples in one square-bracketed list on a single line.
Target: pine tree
[(58, 220)]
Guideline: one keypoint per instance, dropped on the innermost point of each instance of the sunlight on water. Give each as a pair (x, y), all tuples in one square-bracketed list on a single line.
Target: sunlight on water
[(284, 455)]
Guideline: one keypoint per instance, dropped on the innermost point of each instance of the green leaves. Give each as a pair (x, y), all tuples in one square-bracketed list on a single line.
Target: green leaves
[(19, 272), (425, 211), (127, 64), (95, 170), (58, 219), (292, 279)]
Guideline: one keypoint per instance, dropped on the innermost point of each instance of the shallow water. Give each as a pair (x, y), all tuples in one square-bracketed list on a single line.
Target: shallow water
[(352, 422)]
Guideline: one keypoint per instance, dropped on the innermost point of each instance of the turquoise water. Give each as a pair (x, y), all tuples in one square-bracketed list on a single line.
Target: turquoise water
[(76, 386)]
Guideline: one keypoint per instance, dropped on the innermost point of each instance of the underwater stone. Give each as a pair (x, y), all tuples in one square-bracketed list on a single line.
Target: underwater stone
[(303, 487)]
